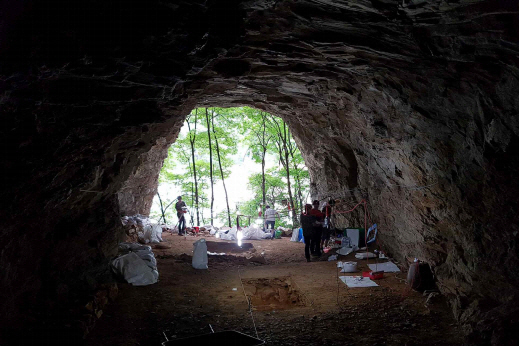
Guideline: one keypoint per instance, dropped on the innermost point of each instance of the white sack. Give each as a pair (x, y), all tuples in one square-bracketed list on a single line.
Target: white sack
[(228, 235), (134, 270), (152, 233), (148, 257), (200, 254), (295, 235), (254, 233)]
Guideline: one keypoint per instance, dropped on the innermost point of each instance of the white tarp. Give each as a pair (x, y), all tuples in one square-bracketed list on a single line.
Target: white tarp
[(357, 281), (134, 270), (388, 267)]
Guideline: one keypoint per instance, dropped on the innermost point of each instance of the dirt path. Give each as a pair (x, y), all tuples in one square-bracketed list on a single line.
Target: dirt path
[(295, 302)]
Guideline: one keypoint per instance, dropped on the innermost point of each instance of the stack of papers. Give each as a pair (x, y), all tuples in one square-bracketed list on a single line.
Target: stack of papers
[(357, 281)]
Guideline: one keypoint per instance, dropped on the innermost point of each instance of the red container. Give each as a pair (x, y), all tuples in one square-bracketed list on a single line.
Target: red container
[(376, 275), (373, 275), (196, 229)]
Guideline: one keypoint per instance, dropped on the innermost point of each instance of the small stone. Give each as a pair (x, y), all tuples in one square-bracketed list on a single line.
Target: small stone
[(162, 246)]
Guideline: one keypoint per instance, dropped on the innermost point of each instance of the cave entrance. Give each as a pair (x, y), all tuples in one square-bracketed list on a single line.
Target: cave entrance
[(229, 164)]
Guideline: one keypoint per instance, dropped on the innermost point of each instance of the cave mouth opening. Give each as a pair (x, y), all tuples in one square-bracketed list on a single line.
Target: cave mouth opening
[(229, 164)]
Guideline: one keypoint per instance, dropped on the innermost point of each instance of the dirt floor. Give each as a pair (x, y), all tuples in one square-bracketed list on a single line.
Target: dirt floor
[(293, 302)]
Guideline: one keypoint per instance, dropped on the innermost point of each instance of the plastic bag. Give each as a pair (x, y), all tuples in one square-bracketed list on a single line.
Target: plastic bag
[(295, 235), (228, 235), (134, 270), (152, 233), (148, 257), (200, 254), (254, 233)]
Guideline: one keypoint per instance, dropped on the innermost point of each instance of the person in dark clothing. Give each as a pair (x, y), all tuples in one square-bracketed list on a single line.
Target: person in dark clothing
[(307, 223), (318, 230), (180, 206)]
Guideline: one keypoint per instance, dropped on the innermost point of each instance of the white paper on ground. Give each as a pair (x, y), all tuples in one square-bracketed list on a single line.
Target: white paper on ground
[(357, 281), (388, 267)]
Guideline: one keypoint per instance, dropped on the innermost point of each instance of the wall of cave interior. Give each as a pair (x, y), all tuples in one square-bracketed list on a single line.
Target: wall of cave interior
[(411, 105)]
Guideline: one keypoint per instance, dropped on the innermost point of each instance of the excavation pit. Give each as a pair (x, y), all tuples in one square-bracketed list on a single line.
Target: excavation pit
[(269, 294), (231, 247)]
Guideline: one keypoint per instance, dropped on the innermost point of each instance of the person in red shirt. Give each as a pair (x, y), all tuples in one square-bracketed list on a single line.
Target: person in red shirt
[(318, 229)]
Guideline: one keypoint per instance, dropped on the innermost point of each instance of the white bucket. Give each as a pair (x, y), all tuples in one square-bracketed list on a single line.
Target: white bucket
[(349, 267)]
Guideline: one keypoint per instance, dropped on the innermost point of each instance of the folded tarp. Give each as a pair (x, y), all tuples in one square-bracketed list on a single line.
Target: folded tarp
[(388, 267)]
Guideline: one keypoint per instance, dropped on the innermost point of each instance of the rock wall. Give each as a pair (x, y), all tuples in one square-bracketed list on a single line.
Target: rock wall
[(410, 105)]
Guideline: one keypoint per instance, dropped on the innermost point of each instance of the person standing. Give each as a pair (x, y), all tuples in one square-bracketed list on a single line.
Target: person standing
[(270, 219), (318, 229), (180, 206), (327, 227), (307, 223)]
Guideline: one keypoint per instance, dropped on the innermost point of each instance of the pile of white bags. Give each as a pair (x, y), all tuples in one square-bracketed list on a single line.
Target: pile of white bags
[(137, 265), (255, 233), (228, 234), (148, 230), (247, 234), (152, 234)]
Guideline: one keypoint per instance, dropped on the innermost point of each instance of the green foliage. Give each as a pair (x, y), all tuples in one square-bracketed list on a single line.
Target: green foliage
[(234, 128)]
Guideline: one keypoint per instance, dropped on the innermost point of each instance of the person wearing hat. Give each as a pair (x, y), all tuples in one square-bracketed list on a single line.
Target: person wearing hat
[(270, 219), (180, 206), (318, 229)]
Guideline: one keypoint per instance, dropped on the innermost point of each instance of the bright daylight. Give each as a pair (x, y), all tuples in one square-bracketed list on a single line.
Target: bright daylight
[(229, 163)]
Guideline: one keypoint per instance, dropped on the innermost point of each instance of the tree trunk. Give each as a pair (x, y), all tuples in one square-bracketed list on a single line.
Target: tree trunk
[(284, 158), (161, 208), (287, 168), (210, 161), (263, 176), (192, 140), (221, 173)]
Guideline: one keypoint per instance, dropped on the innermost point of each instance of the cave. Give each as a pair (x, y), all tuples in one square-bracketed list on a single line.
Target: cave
[(411, 105)]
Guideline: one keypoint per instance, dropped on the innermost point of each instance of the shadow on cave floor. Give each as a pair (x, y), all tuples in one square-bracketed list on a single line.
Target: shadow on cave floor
[(315, 310)]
